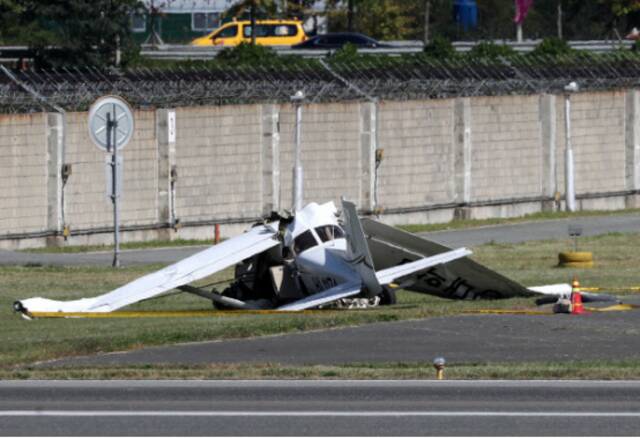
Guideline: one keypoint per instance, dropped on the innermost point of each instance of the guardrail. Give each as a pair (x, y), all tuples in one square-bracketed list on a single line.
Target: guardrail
[(177, 52), (181, 52)]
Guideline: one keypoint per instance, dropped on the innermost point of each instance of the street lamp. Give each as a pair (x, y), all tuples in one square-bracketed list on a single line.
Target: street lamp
[(298, 181), (569, 173)]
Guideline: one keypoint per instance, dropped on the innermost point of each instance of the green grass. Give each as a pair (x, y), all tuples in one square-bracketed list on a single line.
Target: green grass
[(601, 370), (457, 224), (126, 245), (26, 342)]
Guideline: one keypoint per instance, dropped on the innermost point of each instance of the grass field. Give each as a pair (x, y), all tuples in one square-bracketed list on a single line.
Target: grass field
[(25, 342)]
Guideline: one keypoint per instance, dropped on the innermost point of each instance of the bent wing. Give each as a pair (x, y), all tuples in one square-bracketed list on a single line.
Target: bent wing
[(195, 267), (461, 279), (385, 276), (389, 275)]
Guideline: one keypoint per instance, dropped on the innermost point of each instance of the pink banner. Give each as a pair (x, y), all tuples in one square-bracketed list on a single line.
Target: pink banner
[(522, 8)]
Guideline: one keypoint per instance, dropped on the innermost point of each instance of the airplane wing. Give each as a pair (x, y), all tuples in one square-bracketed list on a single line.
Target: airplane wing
[(195, 267), (460, 279), (388, 275), (335, 293), (385, 276)]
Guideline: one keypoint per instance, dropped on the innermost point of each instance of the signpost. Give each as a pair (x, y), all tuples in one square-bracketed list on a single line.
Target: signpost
[(111, 128)]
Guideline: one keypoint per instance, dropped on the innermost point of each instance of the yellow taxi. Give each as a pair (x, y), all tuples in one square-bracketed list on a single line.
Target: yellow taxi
[(268, 33)]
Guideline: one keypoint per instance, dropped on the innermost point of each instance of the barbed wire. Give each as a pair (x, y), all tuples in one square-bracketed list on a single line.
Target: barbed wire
[(363, 78)]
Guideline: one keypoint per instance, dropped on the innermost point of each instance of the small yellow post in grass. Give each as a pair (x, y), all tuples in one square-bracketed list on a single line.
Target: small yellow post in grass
[(438, 364)]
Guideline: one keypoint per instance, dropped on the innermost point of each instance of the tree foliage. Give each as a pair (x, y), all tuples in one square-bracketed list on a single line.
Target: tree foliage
[(71, 32)]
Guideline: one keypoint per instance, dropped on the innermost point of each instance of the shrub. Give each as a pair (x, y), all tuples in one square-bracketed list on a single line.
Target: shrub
[(440, 48), (552, 47), (489, 50), (247, 54)]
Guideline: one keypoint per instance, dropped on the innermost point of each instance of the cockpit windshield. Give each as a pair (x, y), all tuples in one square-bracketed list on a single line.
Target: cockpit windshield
[(329, 232), (303, 242)]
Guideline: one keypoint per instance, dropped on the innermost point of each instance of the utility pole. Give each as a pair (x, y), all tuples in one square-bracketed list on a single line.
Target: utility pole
[(569, 170), (298, 175), (559, 24), (519, 32), (252, 13), (350, 15), (427, 17)]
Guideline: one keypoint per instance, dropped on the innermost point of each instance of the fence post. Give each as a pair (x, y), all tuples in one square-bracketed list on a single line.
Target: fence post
[(55, 159), (548, 122), (462, 156), (368, 146), (270, 159), (632, 147), (167, 172)]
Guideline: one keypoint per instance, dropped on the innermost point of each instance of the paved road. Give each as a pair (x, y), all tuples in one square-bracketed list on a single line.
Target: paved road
[(460, 339), (558, 408), (536, 230)]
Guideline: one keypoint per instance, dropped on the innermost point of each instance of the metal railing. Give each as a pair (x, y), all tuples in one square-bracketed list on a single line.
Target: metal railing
[(182, 52)]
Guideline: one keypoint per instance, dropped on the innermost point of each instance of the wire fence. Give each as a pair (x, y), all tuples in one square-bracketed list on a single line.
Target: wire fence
[(324, 80)]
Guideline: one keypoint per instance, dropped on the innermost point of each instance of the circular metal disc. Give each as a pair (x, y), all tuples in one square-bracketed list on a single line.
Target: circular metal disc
[(117, 109)]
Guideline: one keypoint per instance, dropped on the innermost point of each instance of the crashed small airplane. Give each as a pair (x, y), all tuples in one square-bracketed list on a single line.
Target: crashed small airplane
[(313, 260)]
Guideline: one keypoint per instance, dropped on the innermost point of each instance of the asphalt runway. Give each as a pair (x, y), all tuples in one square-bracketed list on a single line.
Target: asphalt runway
[(312, 408), (460, 339), (535, 230)]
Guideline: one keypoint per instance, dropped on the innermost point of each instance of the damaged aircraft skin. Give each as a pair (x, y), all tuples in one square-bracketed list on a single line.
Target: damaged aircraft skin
[(313, 260)]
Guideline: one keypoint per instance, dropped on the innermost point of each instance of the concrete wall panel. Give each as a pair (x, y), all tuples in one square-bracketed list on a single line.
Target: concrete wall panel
[(330, 152), (86, 204), (417, 138), (506, 156), (218, 160), (23, 173), (598, 139)]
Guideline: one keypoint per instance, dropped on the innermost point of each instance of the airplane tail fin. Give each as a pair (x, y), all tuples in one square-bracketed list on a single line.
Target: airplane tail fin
[(358, 250)]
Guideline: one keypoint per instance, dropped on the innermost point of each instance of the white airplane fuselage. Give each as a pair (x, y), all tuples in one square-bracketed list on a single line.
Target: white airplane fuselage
[(317, 241)]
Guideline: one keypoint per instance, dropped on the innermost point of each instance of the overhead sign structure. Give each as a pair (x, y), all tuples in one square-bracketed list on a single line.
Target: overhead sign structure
[(111, 128)]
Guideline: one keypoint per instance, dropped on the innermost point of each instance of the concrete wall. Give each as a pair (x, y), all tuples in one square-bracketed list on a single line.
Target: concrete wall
[(330, 152), (506, 157), (23, 173), (470, 157), (417, 138), (598, 139), (86, 202), (219, 163)]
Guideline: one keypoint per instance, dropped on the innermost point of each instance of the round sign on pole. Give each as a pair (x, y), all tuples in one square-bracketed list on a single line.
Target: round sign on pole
[(117, 110)]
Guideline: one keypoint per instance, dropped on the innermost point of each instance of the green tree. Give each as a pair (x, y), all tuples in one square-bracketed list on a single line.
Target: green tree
[(621, 7), (73, 32)]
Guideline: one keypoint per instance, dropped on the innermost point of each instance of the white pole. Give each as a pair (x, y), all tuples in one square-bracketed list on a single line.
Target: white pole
[(298, 174), (569, 174), (519, 32)]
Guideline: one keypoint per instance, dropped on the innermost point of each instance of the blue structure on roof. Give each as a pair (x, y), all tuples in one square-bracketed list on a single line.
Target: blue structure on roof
[(465, 13)]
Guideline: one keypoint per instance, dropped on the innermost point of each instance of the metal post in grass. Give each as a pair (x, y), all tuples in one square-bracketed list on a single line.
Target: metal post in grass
[(111, 128), (298, 175), (569, 172)]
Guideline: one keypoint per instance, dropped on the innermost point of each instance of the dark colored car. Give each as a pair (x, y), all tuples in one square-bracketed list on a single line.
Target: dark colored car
[(337, 40)]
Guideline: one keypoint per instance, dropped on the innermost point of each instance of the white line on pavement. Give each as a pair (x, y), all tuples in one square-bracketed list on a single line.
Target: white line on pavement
[(52, 413)]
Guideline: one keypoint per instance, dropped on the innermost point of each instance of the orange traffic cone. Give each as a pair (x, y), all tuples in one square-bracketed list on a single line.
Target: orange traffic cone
[(577, 308)]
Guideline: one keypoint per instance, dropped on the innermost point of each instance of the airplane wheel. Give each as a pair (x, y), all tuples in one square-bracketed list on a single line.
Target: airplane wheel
[(387, 297)]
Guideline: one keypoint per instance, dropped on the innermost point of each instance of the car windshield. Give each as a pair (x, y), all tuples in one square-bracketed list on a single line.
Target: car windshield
[(329, 232), (303, 242)]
